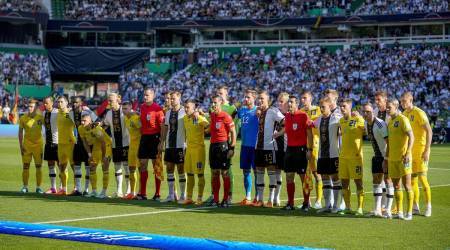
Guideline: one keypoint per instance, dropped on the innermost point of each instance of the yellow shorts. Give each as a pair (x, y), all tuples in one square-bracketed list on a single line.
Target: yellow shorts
[(194, 160), (65, 153), (396, 169), (312, 164), (133, 159), (97, 154), (351, 168), (32, 152), (418, 165)]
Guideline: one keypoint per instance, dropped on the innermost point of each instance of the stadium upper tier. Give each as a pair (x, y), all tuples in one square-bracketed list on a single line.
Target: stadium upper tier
[(357, 73), (239, 9)]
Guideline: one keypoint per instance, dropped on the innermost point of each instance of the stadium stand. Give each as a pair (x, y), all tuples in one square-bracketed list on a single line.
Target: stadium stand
[(357, 73)]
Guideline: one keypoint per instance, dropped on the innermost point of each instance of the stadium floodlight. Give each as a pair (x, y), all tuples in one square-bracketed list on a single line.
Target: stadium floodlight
[(344, 28), (303, 29), (194, 31)]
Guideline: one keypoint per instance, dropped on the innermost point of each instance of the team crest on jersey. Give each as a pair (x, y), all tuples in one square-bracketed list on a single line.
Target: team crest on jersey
[(395, 124), (411, 118), (218, 125), (294, 126), (148, 117), (313, 112)]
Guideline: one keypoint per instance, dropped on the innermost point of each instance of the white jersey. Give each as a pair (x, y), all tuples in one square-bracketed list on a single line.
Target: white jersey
[(382, 115), (329, 135), (266, 129), (175, 137), (51, 126), (377, 133), (115, 120)]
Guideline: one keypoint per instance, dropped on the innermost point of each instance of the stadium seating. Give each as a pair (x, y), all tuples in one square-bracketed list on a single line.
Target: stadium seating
[(357, 73)]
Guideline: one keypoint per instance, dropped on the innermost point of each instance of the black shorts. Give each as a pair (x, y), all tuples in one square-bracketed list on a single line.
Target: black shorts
[(218, 156), (80, 155), (148, 146), (265, 158), (120, 154), (295, 160), (377, 165), (51, 152), (328, 166), (174, 155), (279, 159)]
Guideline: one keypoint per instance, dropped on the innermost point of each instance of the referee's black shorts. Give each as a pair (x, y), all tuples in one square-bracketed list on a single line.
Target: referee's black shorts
[(148, 146), (218, 153), (295, 160)]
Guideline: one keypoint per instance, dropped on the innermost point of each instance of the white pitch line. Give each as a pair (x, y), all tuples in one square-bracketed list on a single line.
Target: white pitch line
[(161, 212), (445, 169)]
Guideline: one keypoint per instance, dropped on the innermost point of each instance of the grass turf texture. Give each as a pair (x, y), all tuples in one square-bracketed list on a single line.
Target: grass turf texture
[(235, 223)]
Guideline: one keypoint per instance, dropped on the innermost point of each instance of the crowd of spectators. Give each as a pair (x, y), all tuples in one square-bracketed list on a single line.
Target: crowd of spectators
[(390, 7), (195, 9), (20, 5), (24, 68), (356, 73), (239, 9)]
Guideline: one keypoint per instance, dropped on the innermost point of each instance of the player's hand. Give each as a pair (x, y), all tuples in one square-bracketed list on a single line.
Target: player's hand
[(426, 155), (406, 158), (230, 153), (309, 155), (196, 114), (355, 113), (160, 147), (277, 134)]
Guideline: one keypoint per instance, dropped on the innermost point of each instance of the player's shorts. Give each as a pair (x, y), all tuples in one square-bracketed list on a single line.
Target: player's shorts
[(174, 155), (397, 169), (32, 152), (418, 165), (247, 157), (377, 165), (65, 153), (133, 159), (120, 154), (80, 155), (351, 168), (279, 159), (97, 154), (148, 146), (194, 160), (295, 160), (218, 156), (264, 158), (51, 152), (328, 166), (312, 164)]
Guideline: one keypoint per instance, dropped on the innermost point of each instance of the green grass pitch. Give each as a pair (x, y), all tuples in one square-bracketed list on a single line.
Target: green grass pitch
[(235, 223)]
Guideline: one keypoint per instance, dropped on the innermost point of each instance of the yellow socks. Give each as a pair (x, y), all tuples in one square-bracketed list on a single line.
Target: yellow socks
[(360, 195), (38, 176), (399, 200), (426, 189), (25, 175)]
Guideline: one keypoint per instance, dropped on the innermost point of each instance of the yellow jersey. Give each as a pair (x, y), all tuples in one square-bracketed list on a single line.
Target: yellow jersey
[(314, 113), (94, 136), (133, 124), (32, 127), (66, 127), (195, 130), (352, 130), (398, 128), (417, 118)]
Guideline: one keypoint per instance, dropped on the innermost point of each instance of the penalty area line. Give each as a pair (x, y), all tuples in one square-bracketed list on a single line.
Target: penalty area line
[(162, 212)]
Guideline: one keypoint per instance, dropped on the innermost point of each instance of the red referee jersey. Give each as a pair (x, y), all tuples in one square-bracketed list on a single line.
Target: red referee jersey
[(220, 126), (296, 126), (152, 117)]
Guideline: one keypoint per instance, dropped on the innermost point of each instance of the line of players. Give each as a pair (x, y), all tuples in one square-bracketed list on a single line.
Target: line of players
[(324, 142)]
